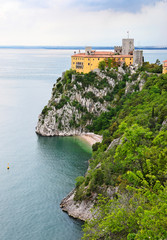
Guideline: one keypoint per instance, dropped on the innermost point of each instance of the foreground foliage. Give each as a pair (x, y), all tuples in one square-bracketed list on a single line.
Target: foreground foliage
[(138, 214), (136, 167)]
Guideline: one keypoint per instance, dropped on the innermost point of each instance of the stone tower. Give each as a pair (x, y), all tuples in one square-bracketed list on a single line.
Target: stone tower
[(88, 50), (138, 57), (127, 46), (118, 49)]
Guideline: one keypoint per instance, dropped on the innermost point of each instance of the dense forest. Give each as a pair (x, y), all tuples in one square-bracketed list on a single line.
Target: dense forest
[(131, 161)]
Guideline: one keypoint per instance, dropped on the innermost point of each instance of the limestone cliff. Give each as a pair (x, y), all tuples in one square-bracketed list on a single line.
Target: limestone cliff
[(82, 209), (76, 100)]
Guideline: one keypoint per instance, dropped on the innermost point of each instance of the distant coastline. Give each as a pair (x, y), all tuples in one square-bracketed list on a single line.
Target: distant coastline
[(78, 47)]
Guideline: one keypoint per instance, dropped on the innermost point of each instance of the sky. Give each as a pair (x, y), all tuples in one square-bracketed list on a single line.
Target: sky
[(82, 22)]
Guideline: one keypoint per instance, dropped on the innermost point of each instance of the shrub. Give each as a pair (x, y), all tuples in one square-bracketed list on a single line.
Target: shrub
[(87, 180), (60, 87), (68, 76), (107, 141), (153, 68), (102, 65), (91, 95), (109, 97), (79, 180), (101, 100), (45, 110), (98, 177), (112, 74), (95, 146)]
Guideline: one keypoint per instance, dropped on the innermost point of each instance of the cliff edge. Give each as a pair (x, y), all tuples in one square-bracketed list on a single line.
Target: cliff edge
[(77, 99)]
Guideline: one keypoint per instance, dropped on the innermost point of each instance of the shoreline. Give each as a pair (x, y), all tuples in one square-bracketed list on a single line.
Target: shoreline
[(91, 138)]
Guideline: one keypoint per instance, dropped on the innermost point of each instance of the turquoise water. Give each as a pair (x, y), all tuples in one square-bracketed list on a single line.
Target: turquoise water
[(42, 170), (152, 55)]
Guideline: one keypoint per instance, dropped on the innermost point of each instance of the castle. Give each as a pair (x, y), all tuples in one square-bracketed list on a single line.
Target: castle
[(88, 61)]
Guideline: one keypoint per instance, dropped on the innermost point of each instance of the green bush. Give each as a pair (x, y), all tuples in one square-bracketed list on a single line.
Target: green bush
[(98, 177), (112, 74), (153, 68), (45, 110), (79, 180), (102, 65), (60, 87), (95, 146), (91, 95)]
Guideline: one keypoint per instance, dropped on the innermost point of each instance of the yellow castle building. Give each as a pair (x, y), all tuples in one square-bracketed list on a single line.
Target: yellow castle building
[(164, 66), (89, 60)]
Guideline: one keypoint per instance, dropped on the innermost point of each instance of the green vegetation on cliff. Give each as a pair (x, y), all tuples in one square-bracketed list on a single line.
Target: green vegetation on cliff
[(127, 173), (131, 162)]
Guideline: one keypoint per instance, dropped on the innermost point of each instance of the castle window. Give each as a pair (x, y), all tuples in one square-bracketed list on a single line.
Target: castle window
[(88, 63), (130, 58), (98, 58), (79, 65)]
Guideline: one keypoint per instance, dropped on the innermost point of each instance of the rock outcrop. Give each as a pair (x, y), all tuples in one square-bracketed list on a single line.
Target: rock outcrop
[(77, 99), (83, 209), (72, 106), (80, 210)]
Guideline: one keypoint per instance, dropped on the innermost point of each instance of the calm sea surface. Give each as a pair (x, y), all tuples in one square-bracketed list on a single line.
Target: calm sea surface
[(42, 170)]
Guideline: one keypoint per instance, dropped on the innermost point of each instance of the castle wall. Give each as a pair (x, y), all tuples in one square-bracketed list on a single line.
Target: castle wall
[(138, 57), (118, 49)]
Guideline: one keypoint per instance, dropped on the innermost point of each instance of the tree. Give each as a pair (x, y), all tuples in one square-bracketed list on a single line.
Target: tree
[(131, 153), (102, 65), (158, 62)]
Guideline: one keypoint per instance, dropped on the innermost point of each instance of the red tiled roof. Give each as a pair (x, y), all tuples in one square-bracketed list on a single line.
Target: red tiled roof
[(123, 56), (102, 54), (165, 61), (99, 53), (95, 54)]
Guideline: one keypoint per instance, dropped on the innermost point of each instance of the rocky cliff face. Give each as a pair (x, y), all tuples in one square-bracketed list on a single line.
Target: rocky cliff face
[(80, 210), (76, 100), (83, 209)]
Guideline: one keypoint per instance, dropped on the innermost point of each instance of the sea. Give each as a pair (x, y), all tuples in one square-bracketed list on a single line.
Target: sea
[(42, 170)]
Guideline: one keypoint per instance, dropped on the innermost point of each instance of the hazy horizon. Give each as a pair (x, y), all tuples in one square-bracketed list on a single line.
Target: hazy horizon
[(75, 47)]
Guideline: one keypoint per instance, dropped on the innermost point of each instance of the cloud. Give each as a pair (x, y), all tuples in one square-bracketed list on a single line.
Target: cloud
[(115, 5), (91, 5), (62, 23)]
